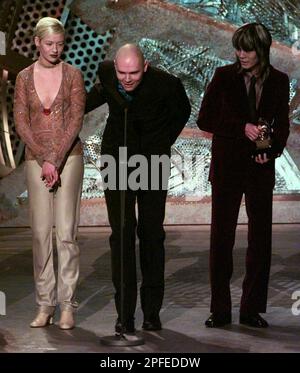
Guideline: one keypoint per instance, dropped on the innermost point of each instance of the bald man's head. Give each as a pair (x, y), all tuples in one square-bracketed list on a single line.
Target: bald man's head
[(129, 51), (130, 66)]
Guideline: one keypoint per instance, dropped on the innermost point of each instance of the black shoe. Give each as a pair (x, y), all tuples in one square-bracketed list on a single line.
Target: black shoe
[(254, 320), (128, 326), (152, 325), (218, 320)]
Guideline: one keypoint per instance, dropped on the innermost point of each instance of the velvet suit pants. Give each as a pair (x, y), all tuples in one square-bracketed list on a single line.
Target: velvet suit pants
[(225, 209)]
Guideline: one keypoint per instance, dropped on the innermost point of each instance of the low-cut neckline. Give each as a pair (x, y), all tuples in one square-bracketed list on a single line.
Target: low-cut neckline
[(36, 92)]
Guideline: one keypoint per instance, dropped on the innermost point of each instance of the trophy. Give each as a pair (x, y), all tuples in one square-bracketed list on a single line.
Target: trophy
[(264, 139)]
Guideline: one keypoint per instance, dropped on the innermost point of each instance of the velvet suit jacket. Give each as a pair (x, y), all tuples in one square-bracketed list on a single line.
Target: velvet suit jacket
[(224, 112), (156, 115)]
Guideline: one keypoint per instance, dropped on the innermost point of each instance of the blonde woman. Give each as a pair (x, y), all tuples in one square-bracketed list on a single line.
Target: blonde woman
[(48, 110)]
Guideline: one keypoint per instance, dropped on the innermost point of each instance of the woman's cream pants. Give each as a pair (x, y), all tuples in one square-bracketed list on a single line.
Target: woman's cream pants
[(62, 210)]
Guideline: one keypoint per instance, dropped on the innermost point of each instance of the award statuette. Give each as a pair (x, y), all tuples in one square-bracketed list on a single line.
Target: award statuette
[(264, 140)]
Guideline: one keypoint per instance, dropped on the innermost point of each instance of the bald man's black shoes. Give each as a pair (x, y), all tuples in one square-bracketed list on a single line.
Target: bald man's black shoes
[(152, 325)]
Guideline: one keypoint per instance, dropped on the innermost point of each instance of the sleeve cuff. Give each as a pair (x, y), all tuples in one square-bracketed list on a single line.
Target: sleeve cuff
[(52, 158)]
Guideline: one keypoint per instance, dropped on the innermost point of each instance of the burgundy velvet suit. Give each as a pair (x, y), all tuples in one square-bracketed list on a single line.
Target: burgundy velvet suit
[(224, 112)]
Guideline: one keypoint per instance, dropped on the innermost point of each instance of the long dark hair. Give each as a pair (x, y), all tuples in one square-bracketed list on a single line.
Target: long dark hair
[(254, 37)]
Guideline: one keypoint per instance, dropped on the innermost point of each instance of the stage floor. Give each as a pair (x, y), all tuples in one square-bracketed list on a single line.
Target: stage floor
[(186, 303)]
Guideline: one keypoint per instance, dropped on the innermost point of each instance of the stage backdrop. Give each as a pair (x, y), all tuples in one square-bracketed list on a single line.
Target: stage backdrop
[(187, 38)]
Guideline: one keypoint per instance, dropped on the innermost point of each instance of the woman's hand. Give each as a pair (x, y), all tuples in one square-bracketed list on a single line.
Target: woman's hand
[(49, 174)]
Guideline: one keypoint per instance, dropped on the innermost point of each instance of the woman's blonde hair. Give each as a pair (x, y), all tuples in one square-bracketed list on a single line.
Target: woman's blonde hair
[(48, 25)]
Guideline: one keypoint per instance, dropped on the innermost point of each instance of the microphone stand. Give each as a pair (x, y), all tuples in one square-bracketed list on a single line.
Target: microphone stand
[(122, 339)]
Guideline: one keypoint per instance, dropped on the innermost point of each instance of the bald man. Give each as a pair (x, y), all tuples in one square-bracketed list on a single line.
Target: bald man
[(148, 109)]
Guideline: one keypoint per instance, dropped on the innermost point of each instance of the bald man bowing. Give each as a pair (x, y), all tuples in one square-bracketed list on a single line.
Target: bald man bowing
[(148, 109)]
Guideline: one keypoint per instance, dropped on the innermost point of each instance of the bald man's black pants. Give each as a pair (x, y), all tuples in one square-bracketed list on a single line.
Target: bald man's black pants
[(150, 231)]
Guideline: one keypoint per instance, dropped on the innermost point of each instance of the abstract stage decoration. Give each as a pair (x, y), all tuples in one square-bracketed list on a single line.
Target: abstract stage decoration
[(282, 18), (194, 64)]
